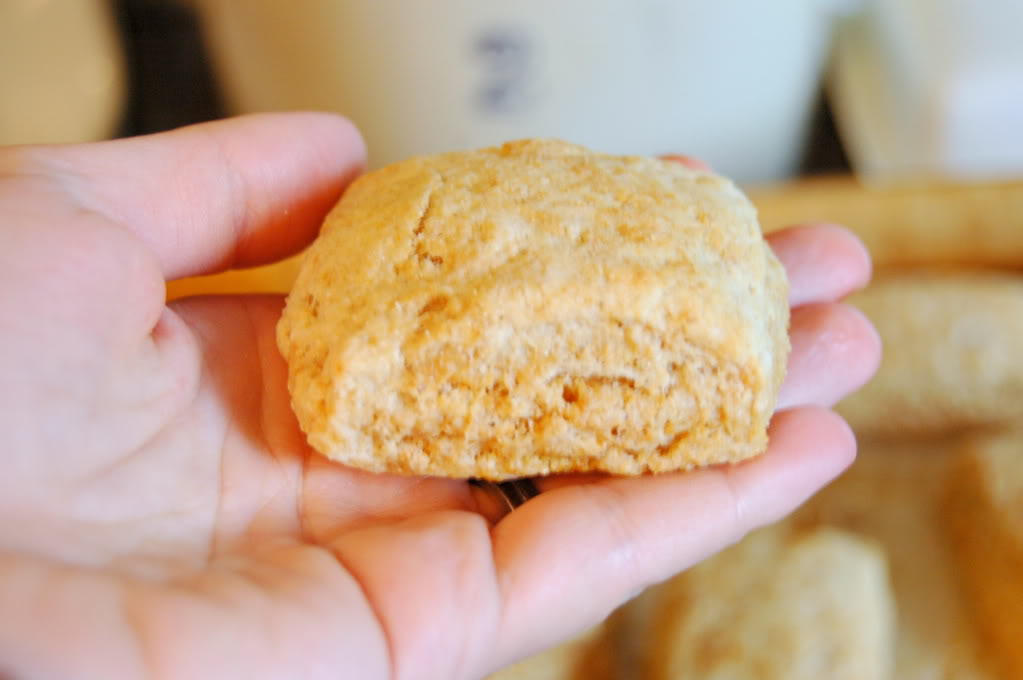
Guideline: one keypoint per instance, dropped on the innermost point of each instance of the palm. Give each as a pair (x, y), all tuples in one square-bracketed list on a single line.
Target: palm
[(159, 479), (266, 484), (239, 510)]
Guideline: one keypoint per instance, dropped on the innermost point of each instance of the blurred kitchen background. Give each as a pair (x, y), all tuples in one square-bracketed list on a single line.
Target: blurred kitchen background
[(763, 91), (902, 119)]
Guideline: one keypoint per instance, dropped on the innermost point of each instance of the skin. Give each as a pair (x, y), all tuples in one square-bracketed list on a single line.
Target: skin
[(160, 513)]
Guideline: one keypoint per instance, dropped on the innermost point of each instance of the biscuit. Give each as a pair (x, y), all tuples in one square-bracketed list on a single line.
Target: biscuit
[(929, 223), (586, 657), (892, 494), (537, 308), (984, 520), (780, 604), (951, 342)]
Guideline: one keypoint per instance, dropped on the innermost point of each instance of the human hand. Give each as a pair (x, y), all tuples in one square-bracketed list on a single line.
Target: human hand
[(161, 514)]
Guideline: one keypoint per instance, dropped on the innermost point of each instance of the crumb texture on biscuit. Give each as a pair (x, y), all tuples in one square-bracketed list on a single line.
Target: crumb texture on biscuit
[(537, 308)]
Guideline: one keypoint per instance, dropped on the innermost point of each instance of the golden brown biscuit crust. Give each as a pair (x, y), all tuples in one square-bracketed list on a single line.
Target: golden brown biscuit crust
[(537, 308)]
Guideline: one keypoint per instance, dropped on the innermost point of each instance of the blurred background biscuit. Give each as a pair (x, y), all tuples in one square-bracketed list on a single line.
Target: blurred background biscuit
[(909, 223), (951, 357), (984, 519), (587, 657), (892, 495), (783, 603)]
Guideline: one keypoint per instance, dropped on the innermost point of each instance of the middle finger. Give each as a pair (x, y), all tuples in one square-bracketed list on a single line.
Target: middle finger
[(824, 262), (835, 350)]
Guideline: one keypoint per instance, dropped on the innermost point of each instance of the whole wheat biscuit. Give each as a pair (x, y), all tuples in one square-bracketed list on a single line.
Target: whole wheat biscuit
[(537, 308), (892, 494), (781, 604), (928, 223), (586, 657), (983, 517), (951, 341)]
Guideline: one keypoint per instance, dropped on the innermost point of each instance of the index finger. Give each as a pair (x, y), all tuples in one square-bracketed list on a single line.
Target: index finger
[(218, 195), (824, 262)]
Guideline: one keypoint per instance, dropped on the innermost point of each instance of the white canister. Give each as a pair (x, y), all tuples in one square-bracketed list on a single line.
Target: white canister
[(62, 73), (730, 81)]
